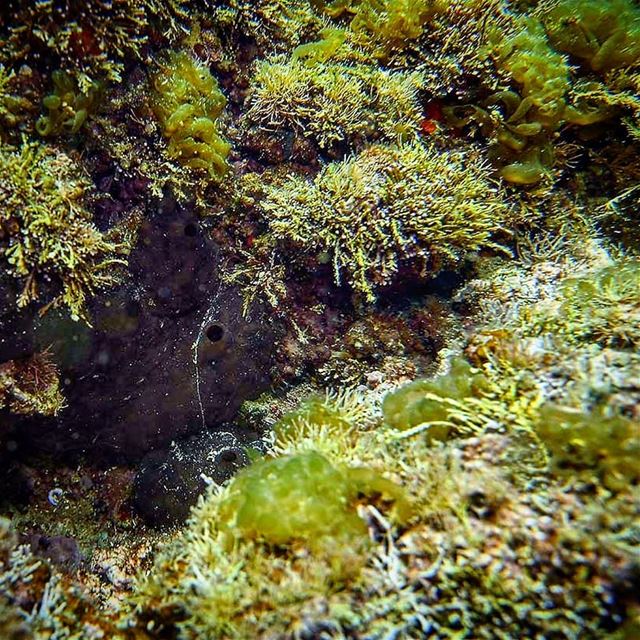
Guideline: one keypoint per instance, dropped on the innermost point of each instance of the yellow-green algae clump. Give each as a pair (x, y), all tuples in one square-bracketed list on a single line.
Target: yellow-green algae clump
[(333, 103), (47, 231), (68, 107), (434, 404), (592, 445), (543, 92), (603, 33), (300, 497), (188, 103), (371, 211), (389, 23)]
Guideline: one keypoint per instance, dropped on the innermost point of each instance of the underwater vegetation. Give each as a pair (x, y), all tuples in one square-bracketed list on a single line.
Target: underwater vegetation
[(31, 386), (405, 202), (603, 307), (433, 402), (319, 319), (592, 443), (285, 567), (300, 497), (385, 24), (333, 103), (546, 93), (188, 103), (47, 234), (67, 107), (92, 40), (605, 35), (13, 107)]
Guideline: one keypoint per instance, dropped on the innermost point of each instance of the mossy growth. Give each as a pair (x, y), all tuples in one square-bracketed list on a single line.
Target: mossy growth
[(339, 413), (68, 107), (274, 25), (31, 386), (188, 103), (13, 107), (601, 307), (47, 233), (391, 24), (89, 39), (605, 34), (592, 446), (406, 202), (334, 103), (435, 406)]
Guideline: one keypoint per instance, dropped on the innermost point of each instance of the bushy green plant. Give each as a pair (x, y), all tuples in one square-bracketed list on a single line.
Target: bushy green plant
[(335, 103), (372, 211), (48, 232)]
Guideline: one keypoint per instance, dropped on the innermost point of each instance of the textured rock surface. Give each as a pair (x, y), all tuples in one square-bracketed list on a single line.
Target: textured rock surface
[(169, 353), (168, 483)]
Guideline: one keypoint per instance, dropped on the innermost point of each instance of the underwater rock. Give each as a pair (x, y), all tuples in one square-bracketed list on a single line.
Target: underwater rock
[(168, 483), (62, 551), (169, 354)]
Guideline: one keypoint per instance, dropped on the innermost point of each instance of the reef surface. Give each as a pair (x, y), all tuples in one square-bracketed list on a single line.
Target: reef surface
[(319, 319)]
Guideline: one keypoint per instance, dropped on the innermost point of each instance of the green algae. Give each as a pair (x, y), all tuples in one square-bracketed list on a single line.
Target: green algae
[(406, 202), (51, 233), (68, 107), (592, 446), (432, 402), (188, 104), (605, 34)]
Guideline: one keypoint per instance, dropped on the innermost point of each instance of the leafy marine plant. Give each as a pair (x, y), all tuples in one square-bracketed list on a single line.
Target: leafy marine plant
[(389, 24), (301, 497), (68, 107), (188, 103), (544, 92), (13, 107), (605, 34)]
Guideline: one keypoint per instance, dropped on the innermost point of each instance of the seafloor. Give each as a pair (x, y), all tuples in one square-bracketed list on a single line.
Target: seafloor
[(319, 319)]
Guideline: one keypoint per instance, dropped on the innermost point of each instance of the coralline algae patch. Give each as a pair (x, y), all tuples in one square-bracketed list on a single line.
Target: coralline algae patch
[(319, 319)]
